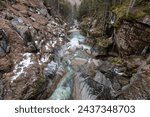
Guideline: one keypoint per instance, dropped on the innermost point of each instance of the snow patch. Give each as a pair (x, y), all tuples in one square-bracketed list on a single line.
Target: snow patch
[(44, 59), (20, 67), (47, 46), (54, 43), (60, 39), (54, 23)]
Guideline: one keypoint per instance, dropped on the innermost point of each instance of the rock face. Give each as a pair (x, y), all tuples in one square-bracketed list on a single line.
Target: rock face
[(139, 88), (28, 38), (132, 38)]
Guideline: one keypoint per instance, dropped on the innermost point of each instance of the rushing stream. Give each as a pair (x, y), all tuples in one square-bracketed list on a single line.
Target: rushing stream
[(73, 56)]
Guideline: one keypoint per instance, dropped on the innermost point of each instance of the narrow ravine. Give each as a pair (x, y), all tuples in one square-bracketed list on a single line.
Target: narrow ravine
[(46, 54), (73, 56)]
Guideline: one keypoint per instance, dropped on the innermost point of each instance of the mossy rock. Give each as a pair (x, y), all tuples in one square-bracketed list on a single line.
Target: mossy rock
[(104, 42), (117, 61), (120, 11)]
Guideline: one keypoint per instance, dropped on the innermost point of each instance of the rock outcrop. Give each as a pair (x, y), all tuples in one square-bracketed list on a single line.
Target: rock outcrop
[(133, 37)]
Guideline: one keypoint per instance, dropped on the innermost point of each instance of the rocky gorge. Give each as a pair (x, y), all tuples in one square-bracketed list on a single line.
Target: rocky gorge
[(43, 56)]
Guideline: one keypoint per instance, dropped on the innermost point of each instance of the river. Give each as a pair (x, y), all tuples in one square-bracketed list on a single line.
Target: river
[(73, 57)]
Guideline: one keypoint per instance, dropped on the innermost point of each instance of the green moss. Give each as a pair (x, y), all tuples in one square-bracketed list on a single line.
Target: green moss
[(104, 42), (2, 3), (117, 24), (121, 11), (39, 84), (136, 15), (117, 61), (139, 14), (146, 9), (148, 61), (85, 24)]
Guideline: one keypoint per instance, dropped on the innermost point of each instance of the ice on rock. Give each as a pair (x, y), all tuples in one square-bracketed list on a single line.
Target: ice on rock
[(51, 70)]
